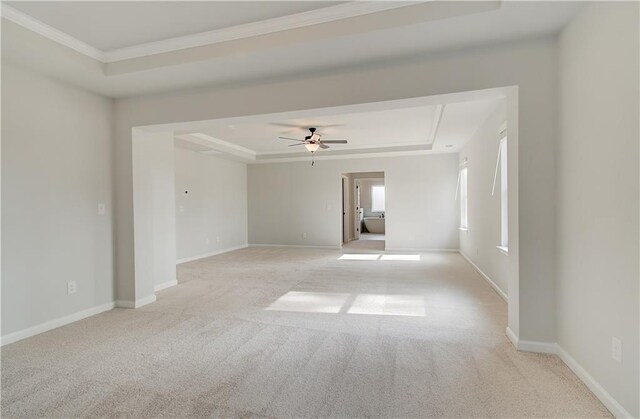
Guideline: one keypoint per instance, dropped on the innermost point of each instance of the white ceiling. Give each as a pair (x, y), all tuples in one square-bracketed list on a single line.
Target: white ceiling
[(108, 25), (365, 129), (437, 128), (377, 39)]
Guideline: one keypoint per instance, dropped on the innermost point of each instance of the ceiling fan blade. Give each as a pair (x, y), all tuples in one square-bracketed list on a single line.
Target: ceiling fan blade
[(323, 146), (292, 145), (291, 139), (280, 124), (334, 141)]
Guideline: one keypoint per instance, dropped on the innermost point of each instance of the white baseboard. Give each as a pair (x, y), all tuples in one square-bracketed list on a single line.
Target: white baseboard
[(610, 403), (206, 255), (553, 348), (409, 249), (136, 304), (497, 289), (164, 285), (512, 337), (296, 245), (538, 347), (531, 345), (54, 324)]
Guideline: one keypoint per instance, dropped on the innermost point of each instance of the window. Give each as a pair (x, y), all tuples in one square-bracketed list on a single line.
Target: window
[(377, 198), (463, 199), (504, 196), (501, 163)]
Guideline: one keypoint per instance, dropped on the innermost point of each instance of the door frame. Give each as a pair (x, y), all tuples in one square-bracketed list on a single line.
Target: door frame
[(356, 212), (346, 233)]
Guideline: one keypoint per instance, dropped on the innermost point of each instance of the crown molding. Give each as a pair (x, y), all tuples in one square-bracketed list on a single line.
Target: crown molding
[(225, 149), (349, 149), (208, 139), (53, 34), (263, 27), (219, 147), (349, 156)]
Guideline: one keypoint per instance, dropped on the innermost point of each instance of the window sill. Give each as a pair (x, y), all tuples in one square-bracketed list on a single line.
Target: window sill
[(503, 250), (463, 229)]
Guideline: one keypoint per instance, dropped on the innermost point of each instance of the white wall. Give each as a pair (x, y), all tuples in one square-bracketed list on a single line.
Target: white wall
[(154, 213), (215, 207), (479, 242), (598, 184), (56, 169), (289, 199)]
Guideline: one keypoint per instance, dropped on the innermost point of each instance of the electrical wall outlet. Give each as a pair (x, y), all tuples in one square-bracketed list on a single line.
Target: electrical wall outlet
[(102, 209), (181, 208), (616, 349), (217, 239), (304, 235), (207, 241), (71, 287)]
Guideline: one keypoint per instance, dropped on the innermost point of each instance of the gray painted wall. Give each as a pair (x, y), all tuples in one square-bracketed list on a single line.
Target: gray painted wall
[(598, 184), (154, 212), (56, 169), (479, 242), (289, 199), (215, 207)]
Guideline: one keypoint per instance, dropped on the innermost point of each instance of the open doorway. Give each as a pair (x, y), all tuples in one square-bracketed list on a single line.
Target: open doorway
[(363, 211)]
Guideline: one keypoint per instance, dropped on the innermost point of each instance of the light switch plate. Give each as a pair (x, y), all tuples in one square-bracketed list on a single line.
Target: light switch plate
[(71, 287), (616, 349), (102, 209)]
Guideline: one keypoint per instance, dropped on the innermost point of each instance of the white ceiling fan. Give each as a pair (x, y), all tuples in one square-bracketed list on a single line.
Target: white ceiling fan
[(313, 142)]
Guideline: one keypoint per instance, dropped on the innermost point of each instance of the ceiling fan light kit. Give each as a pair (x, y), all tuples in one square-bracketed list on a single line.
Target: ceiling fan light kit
[(313, 142), (312, 147)]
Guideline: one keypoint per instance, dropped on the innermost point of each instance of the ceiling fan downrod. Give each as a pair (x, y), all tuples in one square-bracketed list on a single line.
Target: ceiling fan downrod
[(313, 131)]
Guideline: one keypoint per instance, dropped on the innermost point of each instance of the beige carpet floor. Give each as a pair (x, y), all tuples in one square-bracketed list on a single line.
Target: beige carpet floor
[(364, 245), (281, 332)]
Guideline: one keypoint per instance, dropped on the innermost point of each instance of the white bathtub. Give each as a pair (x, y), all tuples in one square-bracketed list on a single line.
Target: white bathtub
[(374, 224)]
